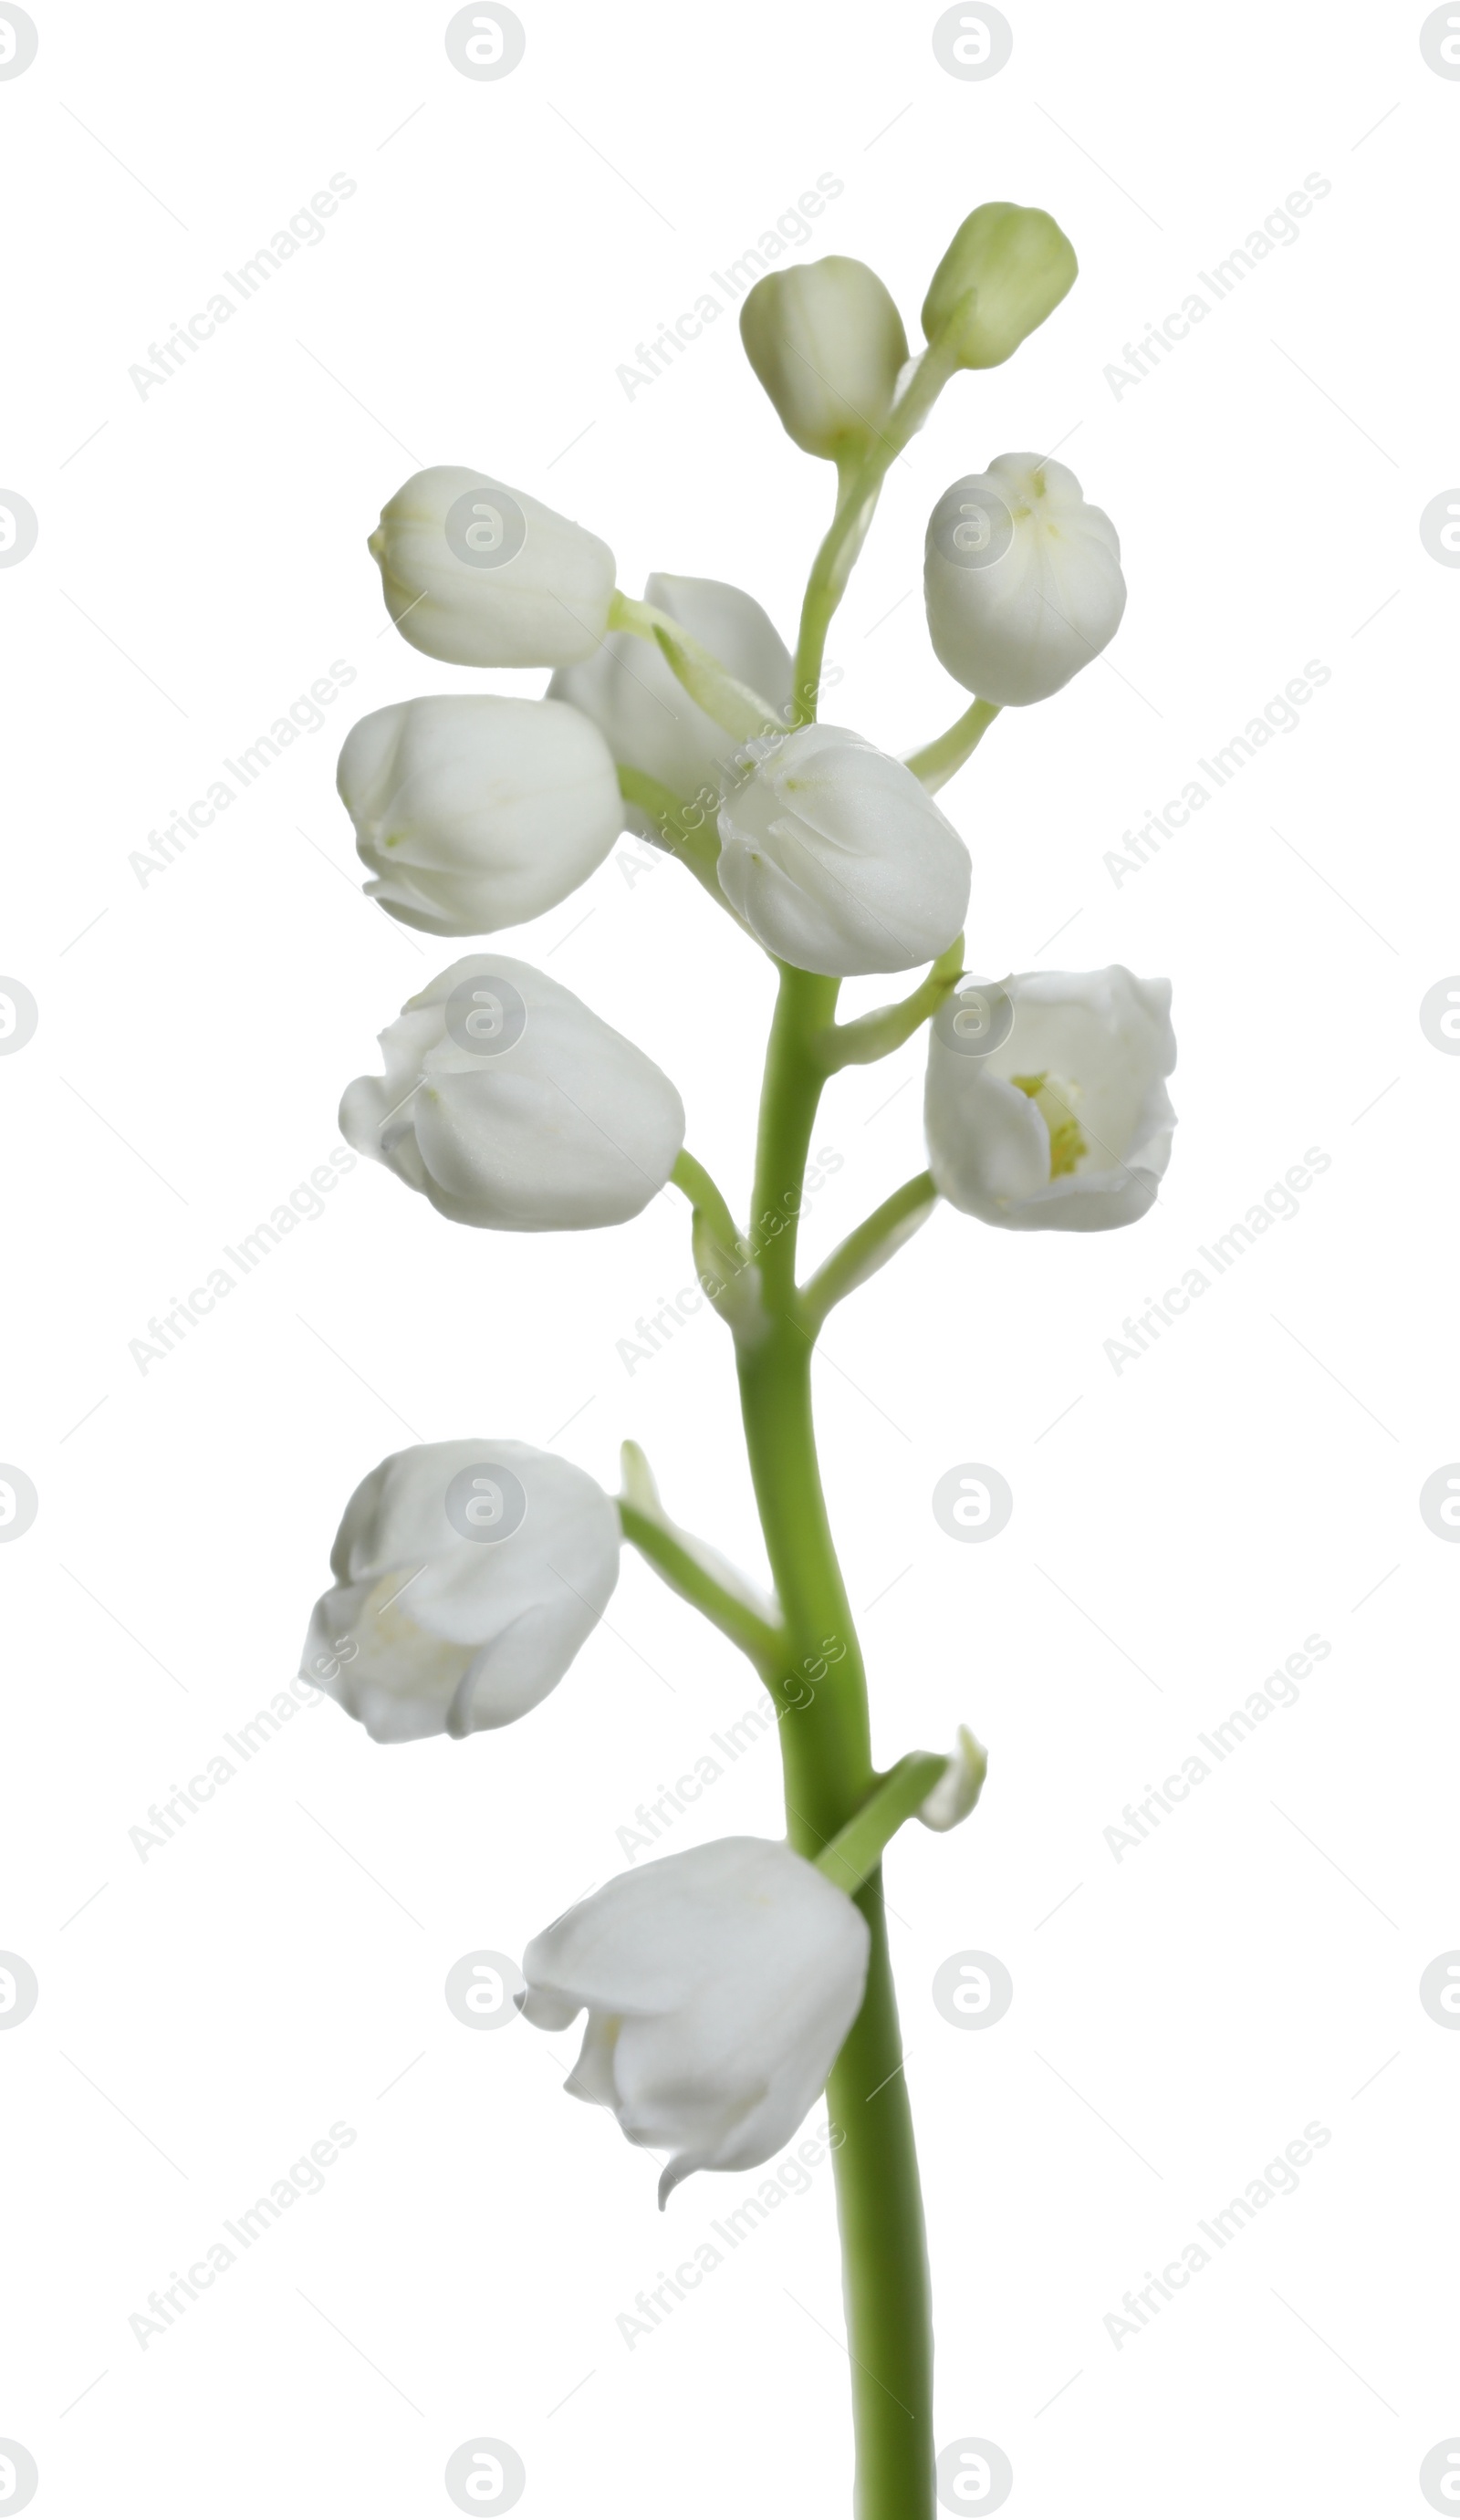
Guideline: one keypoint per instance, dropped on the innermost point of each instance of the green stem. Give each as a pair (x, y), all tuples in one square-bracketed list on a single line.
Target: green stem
[(868, 1249), (883, 2250), (859, 487), (684, 1570), (937, 762), (724, 1257), (705, 1195), (826, 1757), (886, 1028), (855, 1851)]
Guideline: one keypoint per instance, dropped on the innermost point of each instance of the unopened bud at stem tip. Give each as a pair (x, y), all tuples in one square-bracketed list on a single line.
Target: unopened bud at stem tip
[(1005, 271)]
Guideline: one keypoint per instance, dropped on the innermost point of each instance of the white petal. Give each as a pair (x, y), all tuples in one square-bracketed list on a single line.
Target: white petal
[(1016, 626), (988, 1143), (837, 858), (428, 1631), (1109, 1036), (592, 2077), (391, 1677), (568, 1125), (474, 812), (545, 605), (643, 712), (734, 1972)]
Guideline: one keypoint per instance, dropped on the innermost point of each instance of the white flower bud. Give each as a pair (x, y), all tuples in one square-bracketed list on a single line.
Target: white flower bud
[(837, 858), (1065, 1121), (1022, 580), (478, 574), (475, 813), (511, 1105), (645, 714), (827, 343), (467, 1576), (720, 1985)]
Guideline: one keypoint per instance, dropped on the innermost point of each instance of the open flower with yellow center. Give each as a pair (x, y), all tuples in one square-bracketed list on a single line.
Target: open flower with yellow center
[(1046, 1103)]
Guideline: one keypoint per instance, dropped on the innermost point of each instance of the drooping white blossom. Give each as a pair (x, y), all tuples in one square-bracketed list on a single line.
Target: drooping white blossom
[(466, 1575), (474, 812), (510, 1104), (719, 1986)]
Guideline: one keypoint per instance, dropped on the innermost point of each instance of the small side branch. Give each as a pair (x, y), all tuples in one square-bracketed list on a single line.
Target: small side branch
[(724, 1257), (708, 1199), (858, 488), (696, 1572), (855, 1852), (868, 1249), (886, 1028), (937, 762)]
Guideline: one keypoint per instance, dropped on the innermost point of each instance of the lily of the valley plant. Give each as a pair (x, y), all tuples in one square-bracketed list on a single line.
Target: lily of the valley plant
[(727, 1987)]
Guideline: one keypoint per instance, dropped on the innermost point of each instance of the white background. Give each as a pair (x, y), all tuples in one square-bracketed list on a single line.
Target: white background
[(1179, 1528)]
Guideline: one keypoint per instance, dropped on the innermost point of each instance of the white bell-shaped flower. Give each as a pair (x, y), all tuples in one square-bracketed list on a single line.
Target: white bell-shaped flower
[(719, 1985), (478, 574), (474, 813), (1066, 1121), (1022, 580), (510, 1104), (835, 856), (467, 1576)]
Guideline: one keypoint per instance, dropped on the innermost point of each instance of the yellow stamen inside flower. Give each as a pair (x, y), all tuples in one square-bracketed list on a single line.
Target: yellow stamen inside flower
[(1053, 1100)]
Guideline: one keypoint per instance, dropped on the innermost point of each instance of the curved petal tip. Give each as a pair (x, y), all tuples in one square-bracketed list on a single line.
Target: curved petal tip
[(683, 2166)]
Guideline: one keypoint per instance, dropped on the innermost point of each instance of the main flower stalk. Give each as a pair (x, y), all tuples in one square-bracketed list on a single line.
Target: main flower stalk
[(827, 1758)]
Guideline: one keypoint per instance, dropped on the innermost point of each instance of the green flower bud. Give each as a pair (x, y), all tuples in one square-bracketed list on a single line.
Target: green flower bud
[(1006, 269), (828, 344)]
